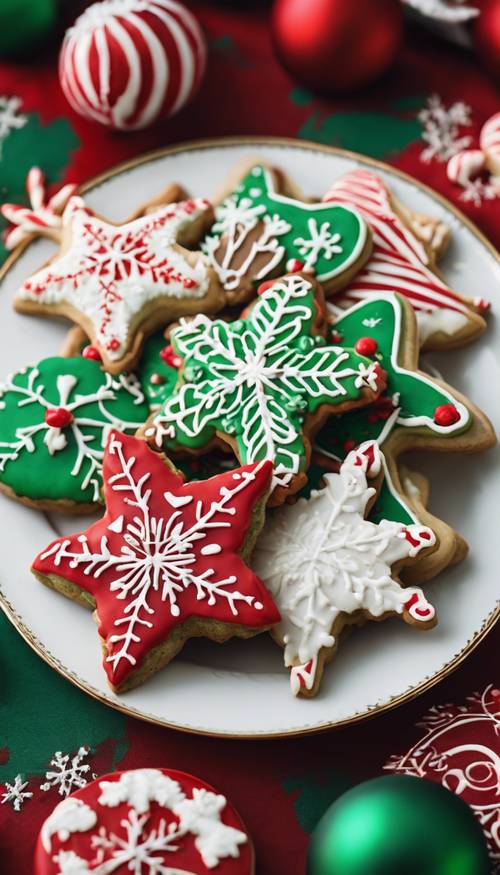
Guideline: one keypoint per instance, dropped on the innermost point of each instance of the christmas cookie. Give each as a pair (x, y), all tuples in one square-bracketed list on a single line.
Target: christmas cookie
[(265, 383), (166, 562), (328, 567), (121, 282), (416, 410), (260, 232), (403, 263), (55, 418), (147, 822)]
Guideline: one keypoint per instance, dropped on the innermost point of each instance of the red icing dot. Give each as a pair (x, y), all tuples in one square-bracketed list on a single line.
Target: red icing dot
[(348, 445), (336, 337), (264, 287), (446, 414), (483, 304), (366, 346), (170, 357), (113, 345), (294, 265), (58, 417), (190, 284), (91, 352)]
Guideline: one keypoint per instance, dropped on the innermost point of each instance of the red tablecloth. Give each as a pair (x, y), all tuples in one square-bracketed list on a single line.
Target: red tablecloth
[(281, 788)]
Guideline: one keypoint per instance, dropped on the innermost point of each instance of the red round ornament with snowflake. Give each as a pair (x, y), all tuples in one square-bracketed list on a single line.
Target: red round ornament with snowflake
[(150, 821), (127, 63)]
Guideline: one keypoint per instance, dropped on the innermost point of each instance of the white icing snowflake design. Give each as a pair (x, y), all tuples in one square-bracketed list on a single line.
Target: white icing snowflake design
[(262, 374), (477, 190), (87, 465), (10, 117), (320, 558), (235, 221), (69, 772), (441, 129), (16, 793), (110, 273), (141, 848), (321, 242)]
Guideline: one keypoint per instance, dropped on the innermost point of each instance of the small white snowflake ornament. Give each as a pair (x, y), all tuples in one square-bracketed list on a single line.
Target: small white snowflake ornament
[(441, 129), (326, 566), (16, 793), (69, 772), (146, 822)]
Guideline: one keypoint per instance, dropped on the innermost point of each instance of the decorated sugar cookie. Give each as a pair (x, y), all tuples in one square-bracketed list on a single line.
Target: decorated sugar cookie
[(264, 383), (260, 232), (147, 822), (416, 410), (121, 282), (402, 263), (327, 567), (55, 418), (167, 560)]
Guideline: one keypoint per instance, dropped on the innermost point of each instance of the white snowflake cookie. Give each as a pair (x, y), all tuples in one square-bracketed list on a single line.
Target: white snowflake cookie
[(327, 566), (148, 822)]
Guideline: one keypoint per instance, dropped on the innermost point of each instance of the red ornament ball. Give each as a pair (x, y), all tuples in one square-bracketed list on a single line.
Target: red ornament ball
[(366, 346), (446, 414), (58, 417), (487, 36), (333, 46), (126, 64), (91, 352)]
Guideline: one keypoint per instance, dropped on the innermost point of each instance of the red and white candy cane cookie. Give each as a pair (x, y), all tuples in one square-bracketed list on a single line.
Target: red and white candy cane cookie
[(489, 141), (127, 63), (42, 218), (400, 262), (146, 821), (466, 166)]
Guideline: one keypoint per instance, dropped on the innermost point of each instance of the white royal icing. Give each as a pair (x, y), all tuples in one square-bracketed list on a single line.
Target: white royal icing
[(320, 558), (70, 816)]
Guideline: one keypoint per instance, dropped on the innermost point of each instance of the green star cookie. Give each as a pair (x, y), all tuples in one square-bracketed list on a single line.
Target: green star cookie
[(263, 383)]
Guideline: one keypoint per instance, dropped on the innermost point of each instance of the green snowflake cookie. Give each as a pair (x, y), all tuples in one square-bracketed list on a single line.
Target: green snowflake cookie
[(412, 402), (54, 422), (256, 382), (259, 233)]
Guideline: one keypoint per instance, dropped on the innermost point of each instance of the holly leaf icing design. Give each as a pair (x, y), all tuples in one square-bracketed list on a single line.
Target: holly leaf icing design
[(55, 419), (254, 382), (258, 232), (323, 561), (163, 555)]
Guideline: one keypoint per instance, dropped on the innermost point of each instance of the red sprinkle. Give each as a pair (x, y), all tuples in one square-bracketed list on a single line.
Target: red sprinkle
[(294, 265), (91, 352), (446, 414), (366, 346), (170, 357), (113, 344), (58, 417), (336, 337)]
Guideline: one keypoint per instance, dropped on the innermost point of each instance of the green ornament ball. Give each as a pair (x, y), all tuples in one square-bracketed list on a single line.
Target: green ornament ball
[(398, 825), (25, 25)]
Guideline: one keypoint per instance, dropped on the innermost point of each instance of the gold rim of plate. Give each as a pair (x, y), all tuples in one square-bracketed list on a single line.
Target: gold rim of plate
[(412, 692)]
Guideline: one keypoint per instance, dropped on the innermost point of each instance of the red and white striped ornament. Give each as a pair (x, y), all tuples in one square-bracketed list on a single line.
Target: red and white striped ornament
[(127, 63), (489, 141), (466, 166)]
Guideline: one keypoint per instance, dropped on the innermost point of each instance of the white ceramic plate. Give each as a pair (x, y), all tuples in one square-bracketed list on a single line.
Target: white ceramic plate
[(242, 689)]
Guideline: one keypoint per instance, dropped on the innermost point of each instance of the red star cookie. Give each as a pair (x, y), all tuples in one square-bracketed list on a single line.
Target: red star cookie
[(166, 562), (121, 282), (148, 821)]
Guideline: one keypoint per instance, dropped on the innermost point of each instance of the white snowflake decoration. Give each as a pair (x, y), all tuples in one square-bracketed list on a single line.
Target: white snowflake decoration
[(321, 241), (16, 793), (10, 117), (320, 558), (69, 773), (441, 129), (476, 191), (454, 11)]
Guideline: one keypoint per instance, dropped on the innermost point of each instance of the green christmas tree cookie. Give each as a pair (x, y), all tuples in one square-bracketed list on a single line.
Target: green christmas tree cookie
[(264, 383), (54, 422)]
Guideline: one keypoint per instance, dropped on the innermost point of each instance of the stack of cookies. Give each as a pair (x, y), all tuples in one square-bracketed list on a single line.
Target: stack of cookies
[(234, 397)]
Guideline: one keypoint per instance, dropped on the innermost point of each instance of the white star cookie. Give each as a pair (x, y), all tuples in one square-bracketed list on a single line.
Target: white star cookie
[(326, 566), (121, 283)]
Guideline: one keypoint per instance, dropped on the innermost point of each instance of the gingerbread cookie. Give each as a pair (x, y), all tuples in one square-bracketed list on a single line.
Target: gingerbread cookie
[(403, 263), (328, 567), (147, 822), (263, 384), (121, 282), (55, 418), (260, 232), (166, 562), (416, 411)]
